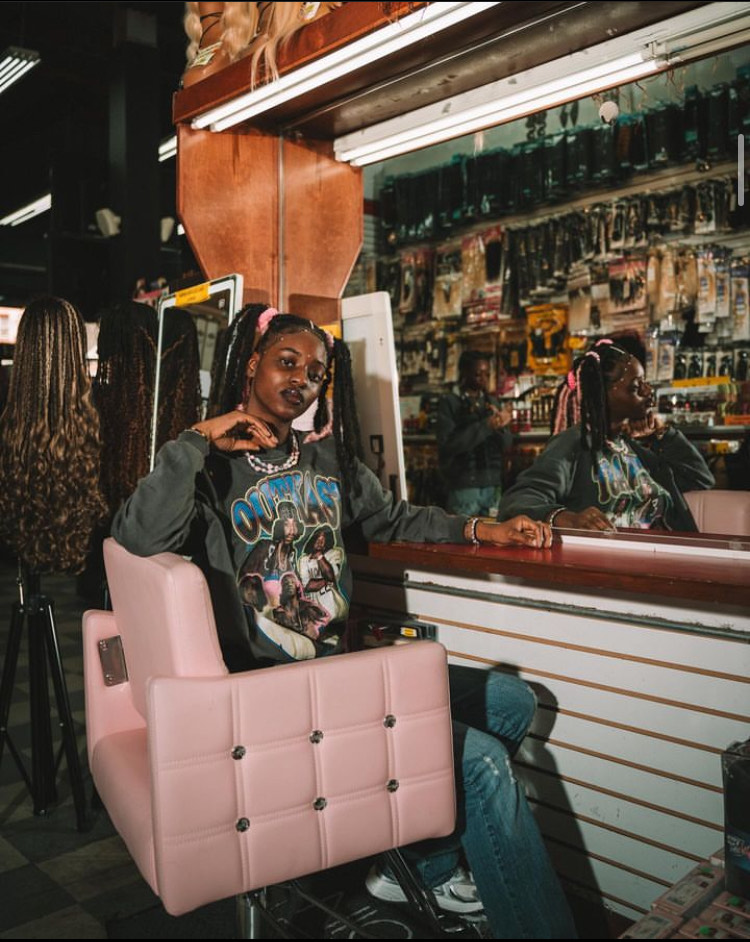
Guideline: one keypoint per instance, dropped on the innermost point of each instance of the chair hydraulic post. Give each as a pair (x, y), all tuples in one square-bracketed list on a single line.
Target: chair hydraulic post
[(36, 610)]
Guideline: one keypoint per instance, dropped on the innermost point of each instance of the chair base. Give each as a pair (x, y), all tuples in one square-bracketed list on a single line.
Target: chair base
[(335, 905)]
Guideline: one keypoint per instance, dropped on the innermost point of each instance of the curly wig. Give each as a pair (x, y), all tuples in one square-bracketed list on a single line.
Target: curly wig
[(50, 449)]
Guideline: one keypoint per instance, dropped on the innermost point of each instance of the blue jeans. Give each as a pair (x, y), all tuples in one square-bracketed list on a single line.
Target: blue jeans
[(520, 891), (474, 501)]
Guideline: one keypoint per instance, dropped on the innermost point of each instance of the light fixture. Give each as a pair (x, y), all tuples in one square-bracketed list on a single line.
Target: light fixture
[(16, 62), (497, 103), (168, 148), (166, 228), (383, 42), (624, 59), (42, 205), (108, 222)]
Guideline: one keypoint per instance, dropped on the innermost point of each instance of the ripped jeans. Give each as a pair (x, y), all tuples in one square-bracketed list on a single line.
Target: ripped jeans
[(520, 891)]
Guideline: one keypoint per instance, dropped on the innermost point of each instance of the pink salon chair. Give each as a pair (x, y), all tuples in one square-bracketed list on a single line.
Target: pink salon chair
[(223, 784), (719, 511)]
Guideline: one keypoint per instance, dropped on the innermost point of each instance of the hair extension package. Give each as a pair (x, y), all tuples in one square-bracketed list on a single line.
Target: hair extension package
[(735, 767)]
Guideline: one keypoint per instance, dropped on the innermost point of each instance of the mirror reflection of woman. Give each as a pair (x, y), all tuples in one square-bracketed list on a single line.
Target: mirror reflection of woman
[(612, 462)]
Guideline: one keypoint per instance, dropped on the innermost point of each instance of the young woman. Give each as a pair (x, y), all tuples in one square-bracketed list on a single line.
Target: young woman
[(611, 462), (216, 493)]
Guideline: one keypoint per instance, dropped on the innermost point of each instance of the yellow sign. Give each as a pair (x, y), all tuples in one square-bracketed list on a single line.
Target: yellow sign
[(193, 295), (702, 381)]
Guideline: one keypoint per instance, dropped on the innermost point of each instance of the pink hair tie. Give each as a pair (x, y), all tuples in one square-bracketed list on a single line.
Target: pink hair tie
[(571, 380), (603, 340), (265, 319), (593, 353), (329, 340)]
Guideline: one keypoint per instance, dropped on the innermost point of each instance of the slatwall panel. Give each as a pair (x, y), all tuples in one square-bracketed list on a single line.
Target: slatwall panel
[(622, 765)]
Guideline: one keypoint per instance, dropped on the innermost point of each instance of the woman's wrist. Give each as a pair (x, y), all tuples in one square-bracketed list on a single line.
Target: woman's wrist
[(470, 531), (200, 432)]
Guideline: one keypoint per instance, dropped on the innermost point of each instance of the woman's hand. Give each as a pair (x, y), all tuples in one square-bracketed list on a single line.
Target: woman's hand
[(589, 519), (650, 427), (518, 531), (237, 431)]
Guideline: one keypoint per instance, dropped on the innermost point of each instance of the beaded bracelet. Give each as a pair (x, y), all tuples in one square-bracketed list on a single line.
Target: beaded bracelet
[(551, 517), (472, 523)]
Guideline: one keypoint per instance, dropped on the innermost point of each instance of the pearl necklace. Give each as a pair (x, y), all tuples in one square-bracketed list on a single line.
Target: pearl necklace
[(265, 467)]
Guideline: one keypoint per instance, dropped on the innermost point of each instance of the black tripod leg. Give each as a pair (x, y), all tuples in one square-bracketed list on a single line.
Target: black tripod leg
[(9, 670), (64, 714), (44, 791)]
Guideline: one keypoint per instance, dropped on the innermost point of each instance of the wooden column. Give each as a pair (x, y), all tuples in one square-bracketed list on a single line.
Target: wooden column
[(292, 228)]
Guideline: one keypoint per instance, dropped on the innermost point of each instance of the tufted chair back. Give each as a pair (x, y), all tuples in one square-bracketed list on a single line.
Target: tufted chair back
[(223, 783)]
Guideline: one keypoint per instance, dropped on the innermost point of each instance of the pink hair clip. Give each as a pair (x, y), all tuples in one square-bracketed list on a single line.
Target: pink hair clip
[(265, 319)]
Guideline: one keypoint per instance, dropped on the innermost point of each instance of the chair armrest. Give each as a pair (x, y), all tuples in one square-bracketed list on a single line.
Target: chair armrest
[(108, 709)]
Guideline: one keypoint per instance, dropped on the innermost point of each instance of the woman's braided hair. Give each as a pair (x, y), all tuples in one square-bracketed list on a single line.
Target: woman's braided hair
[(582, 395), (229, 379)]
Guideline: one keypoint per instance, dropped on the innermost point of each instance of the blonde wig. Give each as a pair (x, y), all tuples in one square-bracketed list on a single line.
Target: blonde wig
[(50, 502)]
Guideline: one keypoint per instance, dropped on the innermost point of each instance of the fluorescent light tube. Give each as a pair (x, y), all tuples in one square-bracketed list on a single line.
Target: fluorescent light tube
[(492, 105), (168, 149), (15, 63), (42, 205), (383, 42), (613, 62)]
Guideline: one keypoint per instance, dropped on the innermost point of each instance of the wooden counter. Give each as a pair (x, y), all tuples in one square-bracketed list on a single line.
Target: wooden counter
[(689, 578)]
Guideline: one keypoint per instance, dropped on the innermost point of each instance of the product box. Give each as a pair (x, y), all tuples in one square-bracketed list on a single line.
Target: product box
[(735, 767), (696, 929), (654, 925), (734, 903), (693, 893), (715, 919)]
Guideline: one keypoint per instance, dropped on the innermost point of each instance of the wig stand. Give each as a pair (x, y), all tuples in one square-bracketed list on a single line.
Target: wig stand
[(35, 610)]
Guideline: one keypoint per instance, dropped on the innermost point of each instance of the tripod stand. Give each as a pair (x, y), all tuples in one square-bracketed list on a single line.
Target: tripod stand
[(36, 610)]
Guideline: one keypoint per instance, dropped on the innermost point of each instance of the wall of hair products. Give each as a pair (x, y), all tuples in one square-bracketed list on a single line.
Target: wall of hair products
[(616, 213)]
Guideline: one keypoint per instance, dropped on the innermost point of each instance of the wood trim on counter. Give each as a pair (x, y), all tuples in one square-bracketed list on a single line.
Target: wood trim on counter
[(690, 578)]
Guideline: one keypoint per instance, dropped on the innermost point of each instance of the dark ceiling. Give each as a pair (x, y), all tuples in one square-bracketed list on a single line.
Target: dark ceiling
[(56, 119)]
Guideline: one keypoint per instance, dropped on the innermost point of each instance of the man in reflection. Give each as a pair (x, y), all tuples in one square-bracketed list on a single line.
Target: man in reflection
[(473, 434)]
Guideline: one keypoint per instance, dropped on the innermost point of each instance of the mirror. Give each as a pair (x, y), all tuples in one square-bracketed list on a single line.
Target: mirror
[(199, 313), (482, 234), (367, 329)]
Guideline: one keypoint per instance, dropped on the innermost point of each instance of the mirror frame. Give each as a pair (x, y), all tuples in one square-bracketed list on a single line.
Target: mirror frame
[(197, 294)]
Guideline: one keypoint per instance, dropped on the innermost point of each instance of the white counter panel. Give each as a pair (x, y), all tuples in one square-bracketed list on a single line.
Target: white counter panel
[(637, 701)]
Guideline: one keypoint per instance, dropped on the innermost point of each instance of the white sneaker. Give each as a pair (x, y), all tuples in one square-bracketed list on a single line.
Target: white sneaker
[(457, 895)]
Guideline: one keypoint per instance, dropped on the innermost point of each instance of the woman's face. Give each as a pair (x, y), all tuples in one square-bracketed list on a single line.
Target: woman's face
[(630, 397), (286, 378)]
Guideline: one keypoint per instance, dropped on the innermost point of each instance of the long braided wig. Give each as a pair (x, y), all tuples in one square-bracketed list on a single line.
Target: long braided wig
[(50, 449), (242, 339), (582, 395), (124, 396)]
